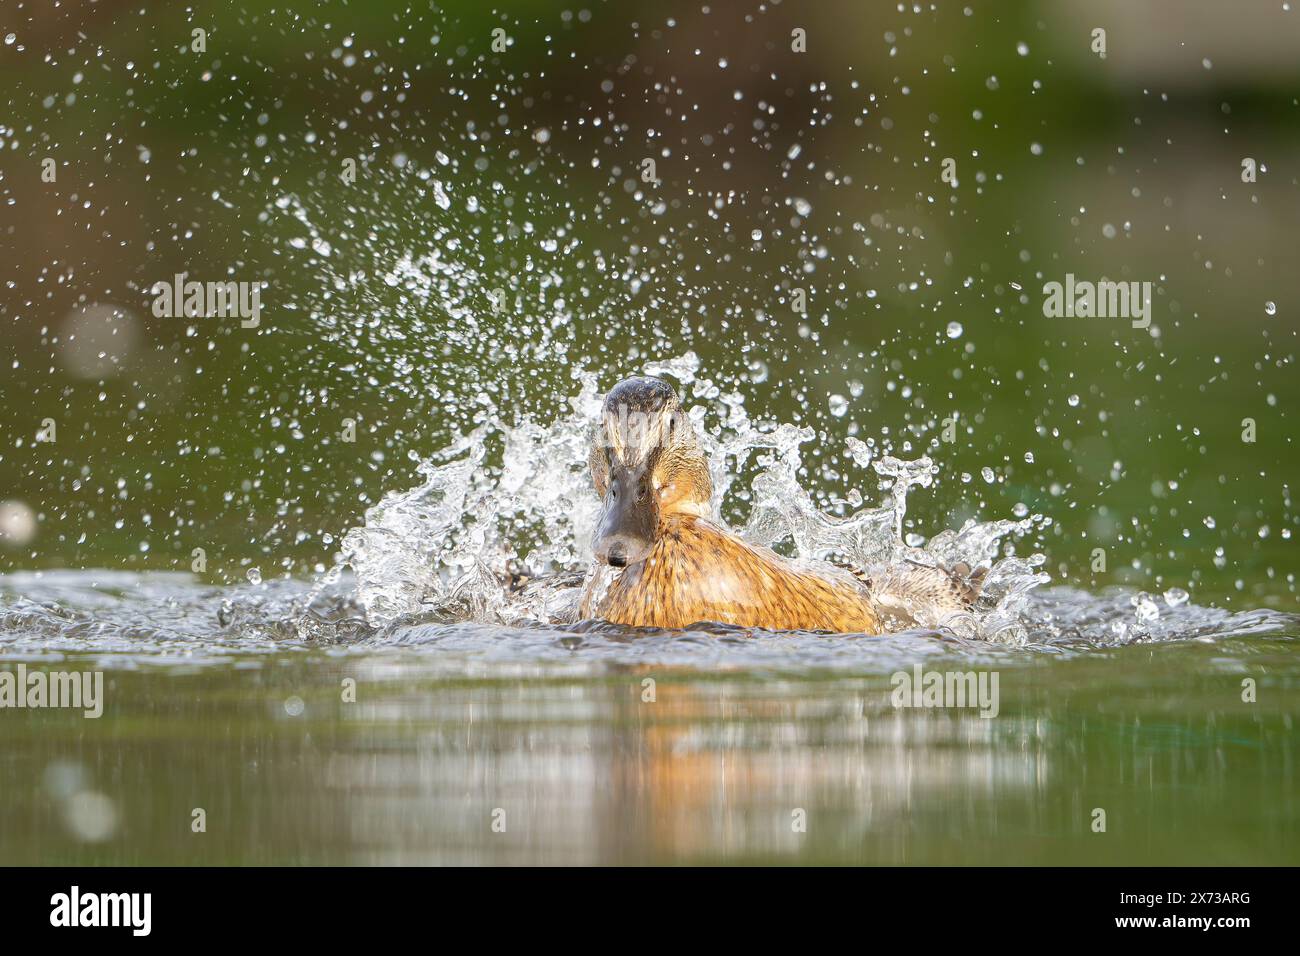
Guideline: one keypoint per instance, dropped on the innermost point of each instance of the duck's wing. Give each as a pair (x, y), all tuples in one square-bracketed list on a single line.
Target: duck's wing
[(913, 593), (518, 581)]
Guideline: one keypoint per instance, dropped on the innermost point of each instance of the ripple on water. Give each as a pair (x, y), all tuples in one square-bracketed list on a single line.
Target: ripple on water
[(169, 619)]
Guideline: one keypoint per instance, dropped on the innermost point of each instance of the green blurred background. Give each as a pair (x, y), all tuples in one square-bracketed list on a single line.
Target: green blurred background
[(778, 170)]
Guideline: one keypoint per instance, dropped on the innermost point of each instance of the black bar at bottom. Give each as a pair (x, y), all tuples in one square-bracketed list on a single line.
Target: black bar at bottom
[(336, 905)]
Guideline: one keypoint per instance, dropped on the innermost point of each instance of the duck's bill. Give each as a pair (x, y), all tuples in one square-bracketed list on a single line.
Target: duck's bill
[(627, 524)]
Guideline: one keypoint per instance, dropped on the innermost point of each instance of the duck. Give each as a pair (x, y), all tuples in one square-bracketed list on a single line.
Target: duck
[(662, 561)]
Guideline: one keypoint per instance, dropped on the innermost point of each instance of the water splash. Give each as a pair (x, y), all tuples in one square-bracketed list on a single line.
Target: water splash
[(502, 499), (512, 501)]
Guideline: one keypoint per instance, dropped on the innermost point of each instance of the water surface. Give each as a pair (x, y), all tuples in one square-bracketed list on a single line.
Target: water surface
[(454, 723)]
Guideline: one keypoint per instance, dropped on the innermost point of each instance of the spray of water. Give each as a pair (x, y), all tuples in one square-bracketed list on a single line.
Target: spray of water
[(515, 499)]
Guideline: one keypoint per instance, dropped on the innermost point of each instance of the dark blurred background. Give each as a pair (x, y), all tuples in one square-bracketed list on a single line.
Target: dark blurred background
[(521, 170)]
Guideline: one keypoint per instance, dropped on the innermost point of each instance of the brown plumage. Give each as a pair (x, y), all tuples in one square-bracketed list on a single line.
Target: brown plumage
[(697, 571), (671, 567)]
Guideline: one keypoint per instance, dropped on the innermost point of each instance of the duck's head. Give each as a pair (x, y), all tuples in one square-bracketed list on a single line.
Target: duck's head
[(646, 463)]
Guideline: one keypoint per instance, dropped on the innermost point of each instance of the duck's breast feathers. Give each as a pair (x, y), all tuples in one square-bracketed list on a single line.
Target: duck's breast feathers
[(714, 575)]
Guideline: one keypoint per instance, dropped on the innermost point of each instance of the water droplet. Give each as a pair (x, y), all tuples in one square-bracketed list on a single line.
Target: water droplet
[(1270, 308), (63, 778), (17, 523), (294, 706), (839, 405), (10, 38), (91, 816), (254, 576), (954, 330), (756, 235), (1147, 610)]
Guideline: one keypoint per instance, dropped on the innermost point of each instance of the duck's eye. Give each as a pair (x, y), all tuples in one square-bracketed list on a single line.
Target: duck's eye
[(641, 492)]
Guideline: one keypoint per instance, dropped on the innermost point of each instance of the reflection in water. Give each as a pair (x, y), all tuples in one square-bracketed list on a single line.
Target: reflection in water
[(761, 770), (430, 742), (575, 764)]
